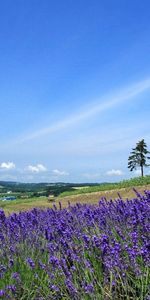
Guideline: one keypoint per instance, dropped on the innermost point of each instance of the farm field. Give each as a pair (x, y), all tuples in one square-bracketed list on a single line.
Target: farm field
[(90, 198), (88, 252)]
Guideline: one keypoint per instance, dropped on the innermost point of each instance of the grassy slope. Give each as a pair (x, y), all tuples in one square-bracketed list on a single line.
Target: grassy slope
[(24, 204), (133, 182), (94, 197)]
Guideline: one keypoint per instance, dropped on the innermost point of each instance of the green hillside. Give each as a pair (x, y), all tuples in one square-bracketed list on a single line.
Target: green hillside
[(133, 182)]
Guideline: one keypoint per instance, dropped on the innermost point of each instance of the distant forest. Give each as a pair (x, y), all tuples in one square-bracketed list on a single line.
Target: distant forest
[(37, 189)]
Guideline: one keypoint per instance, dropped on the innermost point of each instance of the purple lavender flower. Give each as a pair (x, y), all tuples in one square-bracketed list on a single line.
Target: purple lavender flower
[(16, 276), (89, 289), (71, 288), (96, 243), (54, 288), (30, 263), (54, 261), (11, 288), (2, 293)]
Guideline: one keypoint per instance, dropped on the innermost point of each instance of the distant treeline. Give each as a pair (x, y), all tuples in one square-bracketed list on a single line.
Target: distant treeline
[(66, 189), (40, 189)]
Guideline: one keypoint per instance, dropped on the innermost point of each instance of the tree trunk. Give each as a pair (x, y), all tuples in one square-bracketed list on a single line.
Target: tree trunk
[(142, 173)]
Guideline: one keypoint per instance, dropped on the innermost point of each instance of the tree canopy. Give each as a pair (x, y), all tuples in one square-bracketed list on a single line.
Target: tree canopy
[(139, 157)]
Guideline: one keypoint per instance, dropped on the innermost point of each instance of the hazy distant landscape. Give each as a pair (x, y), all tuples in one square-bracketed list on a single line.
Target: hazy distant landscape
[(44, 195)]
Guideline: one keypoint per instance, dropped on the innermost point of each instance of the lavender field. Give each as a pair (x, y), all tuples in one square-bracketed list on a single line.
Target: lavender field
[(81, 252)]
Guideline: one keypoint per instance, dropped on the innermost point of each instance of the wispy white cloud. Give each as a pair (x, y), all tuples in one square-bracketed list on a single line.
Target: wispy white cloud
[(105, 103), (114, 172), (7, 165), (60, 173), (36, 168)]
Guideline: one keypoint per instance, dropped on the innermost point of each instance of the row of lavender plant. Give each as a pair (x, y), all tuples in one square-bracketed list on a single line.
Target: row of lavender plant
[(81, 252)]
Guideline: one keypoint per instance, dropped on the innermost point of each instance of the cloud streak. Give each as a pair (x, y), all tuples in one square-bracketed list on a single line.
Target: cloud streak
[(114, 173), (105, 104), (7, 166), (60, 173), (36, 169)]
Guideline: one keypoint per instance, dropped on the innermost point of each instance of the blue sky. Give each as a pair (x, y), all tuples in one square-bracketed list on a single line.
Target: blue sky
[(74, 88)]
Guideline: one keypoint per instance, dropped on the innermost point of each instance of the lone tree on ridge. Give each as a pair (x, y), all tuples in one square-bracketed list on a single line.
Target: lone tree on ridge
[(138, 157)]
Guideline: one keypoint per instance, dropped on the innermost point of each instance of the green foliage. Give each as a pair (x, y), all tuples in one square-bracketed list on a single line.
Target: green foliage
[(138, 156)]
